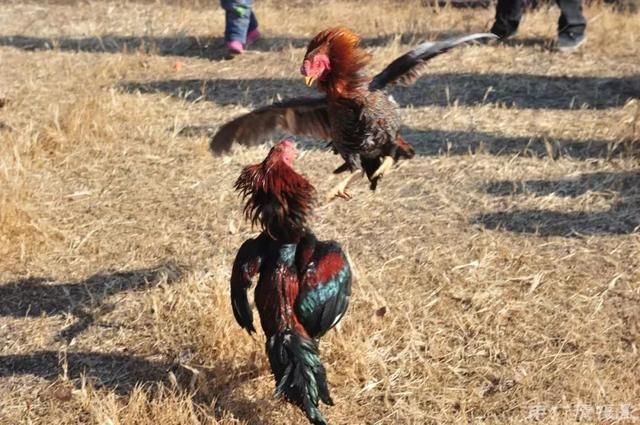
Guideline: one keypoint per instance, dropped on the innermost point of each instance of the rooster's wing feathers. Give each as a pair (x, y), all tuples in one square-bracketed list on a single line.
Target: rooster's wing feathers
[(299, 116), (325, 287), (245, 267), (406, 68)]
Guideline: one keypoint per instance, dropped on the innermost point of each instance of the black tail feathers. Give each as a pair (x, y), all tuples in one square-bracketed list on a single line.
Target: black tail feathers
[(300, 377)]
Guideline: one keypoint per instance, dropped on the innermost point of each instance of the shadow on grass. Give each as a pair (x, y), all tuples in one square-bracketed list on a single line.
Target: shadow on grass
[(244, 92), (86, 299), (114, 371), (121, 373), (219, 386), (203, 47), (450, 143), (545, 43), (446, 142), (520, 90), (623, 217), (517, 90), (206, 47)]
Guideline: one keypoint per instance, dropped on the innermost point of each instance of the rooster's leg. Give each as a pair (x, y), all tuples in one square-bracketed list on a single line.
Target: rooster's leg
[(387, 162), (340, 190)]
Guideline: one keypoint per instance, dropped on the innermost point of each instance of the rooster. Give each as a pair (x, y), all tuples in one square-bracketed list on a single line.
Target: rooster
[(357, 116), (304, 284)]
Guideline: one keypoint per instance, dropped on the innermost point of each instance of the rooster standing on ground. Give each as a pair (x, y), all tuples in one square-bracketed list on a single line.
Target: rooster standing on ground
[(304, 284), (356, 114)]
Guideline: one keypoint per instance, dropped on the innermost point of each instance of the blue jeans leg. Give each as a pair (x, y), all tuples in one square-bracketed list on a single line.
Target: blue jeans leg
[(238, 16)]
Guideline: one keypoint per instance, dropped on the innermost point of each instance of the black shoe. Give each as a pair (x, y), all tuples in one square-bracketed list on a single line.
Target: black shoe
[(502, 32), (570, 41)]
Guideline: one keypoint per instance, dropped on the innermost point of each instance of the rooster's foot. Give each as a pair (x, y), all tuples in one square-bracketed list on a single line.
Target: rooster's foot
[(340, 190), (387, 162)]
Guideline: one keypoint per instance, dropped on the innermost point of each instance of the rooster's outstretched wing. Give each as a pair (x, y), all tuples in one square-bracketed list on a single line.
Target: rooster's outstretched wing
[(406, 68), (298, 116)]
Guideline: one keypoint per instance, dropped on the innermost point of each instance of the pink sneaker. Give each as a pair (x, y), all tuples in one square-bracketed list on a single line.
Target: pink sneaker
[(235, 47), (253, 36)]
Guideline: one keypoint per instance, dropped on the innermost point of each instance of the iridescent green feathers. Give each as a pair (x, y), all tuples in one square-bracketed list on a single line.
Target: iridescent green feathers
[(300, 376)]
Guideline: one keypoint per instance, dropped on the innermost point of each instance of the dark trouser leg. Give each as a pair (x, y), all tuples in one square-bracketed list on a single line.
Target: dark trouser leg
[(508, 14), (253, 22), (238, 19), (571, 20)]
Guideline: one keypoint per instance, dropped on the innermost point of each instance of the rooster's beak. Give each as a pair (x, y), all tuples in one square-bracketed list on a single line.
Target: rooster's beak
[(309, 80)]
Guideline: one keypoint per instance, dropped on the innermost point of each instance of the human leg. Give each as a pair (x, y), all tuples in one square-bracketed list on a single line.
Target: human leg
[(238, 20), (571, 25), (571, 18), (508, 15), (253, 34)]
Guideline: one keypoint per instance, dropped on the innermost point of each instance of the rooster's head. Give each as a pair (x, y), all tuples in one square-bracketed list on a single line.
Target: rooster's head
[(277, 196), (334, 59)]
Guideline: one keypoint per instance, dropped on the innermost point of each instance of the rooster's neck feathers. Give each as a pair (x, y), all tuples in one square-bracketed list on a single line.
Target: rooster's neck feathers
[(276, 197), (347, 59)]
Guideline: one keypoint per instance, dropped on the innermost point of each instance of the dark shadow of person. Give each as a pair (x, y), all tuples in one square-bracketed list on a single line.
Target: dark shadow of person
[(621, 219), (121, 372), (86, 299), (114, 371), (204, 46), (451, 142), (516, 90)]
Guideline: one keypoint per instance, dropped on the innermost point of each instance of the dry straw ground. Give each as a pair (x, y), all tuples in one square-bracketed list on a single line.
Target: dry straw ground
[(506, 254)]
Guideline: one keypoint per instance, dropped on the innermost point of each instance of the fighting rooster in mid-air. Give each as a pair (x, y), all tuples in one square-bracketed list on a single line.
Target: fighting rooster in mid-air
[(304, 284), (356, 115)]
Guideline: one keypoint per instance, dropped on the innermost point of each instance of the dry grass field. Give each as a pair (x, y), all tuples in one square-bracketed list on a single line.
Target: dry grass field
[(498, 276)]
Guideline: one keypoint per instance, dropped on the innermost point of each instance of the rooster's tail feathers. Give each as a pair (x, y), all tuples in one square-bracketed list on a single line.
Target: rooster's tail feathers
[(300, 376)]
